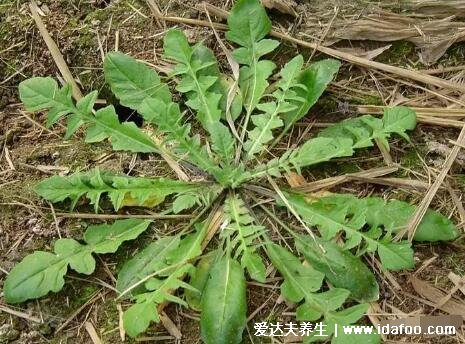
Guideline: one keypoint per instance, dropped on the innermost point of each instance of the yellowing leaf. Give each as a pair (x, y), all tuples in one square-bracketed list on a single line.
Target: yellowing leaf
[(129, 201)]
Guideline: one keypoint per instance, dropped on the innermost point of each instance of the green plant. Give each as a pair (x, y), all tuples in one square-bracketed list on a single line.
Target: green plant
[(239, 128)]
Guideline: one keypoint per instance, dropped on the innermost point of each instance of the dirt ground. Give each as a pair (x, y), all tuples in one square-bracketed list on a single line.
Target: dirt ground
[(84, 30)]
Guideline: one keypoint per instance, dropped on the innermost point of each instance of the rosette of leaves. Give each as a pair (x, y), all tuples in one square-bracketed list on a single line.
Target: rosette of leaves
[(323, 269)]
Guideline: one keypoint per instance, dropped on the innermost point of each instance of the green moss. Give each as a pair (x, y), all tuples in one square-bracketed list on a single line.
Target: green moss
[(327, 104), (59, 340), (455, 260), (454, 56), (347, 168), (117, 11), (111, 319), (401, 48), (398, 54), (100, 14), (370, 99), (85, 40), (78, 155), (411, 159), (77, 292)]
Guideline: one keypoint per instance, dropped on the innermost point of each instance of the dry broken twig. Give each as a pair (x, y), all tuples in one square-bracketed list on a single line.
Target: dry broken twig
[(330, 182), (20, 314), (438, 8), (92, 333), (395, 182), (94, 297), (54, 51), (170, 326), (431, 112)]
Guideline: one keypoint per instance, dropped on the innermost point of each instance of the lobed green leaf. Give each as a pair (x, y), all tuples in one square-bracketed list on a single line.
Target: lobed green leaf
[(248, 24), (349, 217), (341, 268), (200, 81), (315, 79), (301, 283), (41, 272), (286, 99), (121, 190), (137, 318), (338, 140), (161, 267), (394, 215), (168, 119), (124, 136), (363, 130), (44, 94), (242, 234)]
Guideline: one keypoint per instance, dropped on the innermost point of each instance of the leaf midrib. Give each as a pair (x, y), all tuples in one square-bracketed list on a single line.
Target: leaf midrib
[(134, 84), (201, 94), (239, 225), (150, 261), (225, 294), (150, 144), (273, 115)]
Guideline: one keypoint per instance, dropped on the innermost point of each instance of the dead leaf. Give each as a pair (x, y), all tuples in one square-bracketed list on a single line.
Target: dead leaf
[(367, 54), (432, 36), (92, 333), (295, 179), (122, 332), (433, 294), (129, 201), (458, 281), (170, 326), (283, 6), (438, 8)]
